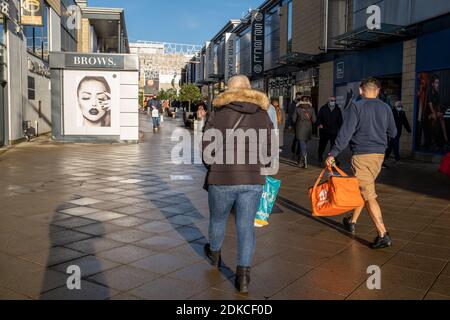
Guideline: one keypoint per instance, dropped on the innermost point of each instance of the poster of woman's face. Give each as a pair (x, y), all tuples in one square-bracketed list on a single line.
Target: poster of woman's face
[(91, 103)]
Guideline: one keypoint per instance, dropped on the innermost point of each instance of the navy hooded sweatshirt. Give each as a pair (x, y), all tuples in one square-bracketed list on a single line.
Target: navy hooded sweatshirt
[(367, 125)]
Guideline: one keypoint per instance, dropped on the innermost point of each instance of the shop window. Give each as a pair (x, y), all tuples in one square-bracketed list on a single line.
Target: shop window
[(31, 88), (37, 37), (433, 112), (68, 35), (289, 27), (3, 51), (272, 38)]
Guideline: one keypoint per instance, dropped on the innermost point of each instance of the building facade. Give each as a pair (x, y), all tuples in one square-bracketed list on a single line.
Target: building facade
[(162, 65), (324, 48), (409, 53), (25, 44)]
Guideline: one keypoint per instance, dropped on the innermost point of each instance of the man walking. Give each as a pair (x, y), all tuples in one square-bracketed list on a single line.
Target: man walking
[(236, 184), (401, 121), (329, 122), (368, 123)]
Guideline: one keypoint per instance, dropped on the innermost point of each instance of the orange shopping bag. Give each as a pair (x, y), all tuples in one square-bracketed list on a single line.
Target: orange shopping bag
[(336, 196)]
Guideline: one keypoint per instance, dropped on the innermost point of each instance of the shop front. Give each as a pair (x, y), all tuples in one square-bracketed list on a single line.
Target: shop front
[(384, 63), (281, 86), (95, 97), (307, 83), (432, 105)]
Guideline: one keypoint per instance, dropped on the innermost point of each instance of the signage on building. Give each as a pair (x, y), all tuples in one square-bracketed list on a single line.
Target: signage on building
[(39, 68), (257, 53), (89, 61), (5, 8), (31, 12), (230, 55), (340, 70)]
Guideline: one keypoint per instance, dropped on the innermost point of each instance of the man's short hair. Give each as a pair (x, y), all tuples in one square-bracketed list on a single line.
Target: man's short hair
[(298, 94), (370, 84), (239, 82)]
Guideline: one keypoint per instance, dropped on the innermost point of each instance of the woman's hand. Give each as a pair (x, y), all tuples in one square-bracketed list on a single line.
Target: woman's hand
[(106, 104)]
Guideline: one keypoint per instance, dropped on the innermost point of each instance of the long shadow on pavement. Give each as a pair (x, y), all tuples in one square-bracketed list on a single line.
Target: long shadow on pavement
[(182, 217)]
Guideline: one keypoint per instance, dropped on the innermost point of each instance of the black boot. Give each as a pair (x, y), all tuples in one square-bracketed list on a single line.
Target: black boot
[(242, 279), (213, 256)]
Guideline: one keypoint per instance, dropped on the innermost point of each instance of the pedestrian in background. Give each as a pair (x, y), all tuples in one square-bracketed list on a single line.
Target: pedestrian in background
[(329, 122), (401, 122), (368, 123), (272, 112), (292, 107), (304, 119), (236, 185), (280, 120), (156, 118)]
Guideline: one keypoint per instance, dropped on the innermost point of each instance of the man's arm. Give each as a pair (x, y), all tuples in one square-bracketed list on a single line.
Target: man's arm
[(347, 131), (406, 123), (294, 117), (320, 118)]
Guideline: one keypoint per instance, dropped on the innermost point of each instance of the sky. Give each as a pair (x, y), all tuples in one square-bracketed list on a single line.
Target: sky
[(177, 21)]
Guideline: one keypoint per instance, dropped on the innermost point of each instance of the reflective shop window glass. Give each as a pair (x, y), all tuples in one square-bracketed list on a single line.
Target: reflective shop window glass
[(69, 33), (272, 38), (2, 31), (289, 27), (37, 37), (238, 54)]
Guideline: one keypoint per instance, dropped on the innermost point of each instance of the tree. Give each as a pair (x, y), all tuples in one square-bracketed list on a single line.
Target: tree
[(190, 93), (162, 95), (172, 94)]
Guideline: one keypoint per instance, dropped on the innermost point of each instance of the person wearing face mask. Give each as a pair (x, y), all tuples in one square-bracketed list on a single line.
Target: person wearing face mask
[(329, 122), (401, 122)]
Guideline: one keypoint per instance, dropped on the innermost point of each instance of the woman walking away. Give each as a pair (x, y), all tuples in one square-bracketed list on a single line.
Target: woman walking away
[(235, 184), (304, 118)]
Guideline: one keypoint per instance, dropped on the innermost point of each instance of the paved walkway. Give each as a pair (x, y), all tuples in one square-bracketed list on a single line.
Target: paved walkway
[(135, 224)]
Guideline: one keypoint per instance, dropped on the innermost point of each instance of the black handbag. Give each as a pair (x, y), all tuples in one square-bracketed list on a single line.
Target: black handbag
[(238, 122)]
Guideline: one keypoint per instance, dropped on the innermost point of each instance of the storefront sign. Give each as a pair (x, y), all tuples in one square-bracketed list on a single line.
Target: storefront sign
[(31, 12), (230, 55), (5, 8), (257, 44), (94, 62)]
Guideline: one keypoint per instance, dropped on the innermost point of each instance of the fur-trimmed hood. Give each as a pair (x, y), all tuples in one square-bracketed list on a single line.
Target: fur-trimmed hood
[(242, 97)]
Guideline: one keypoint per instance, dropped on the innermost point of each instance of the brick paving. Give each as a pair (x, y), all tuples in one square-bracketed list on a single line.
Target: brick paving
[(136, 225)]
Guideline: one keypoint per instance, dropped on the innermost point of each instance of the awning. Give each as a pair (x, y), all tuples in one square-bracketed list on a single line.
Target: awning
[(297, 59), (364, 37)]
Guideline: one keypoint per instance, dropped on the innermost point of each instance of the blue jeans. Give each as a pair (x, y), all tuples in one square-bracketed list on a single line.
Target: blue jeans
[(245, 199), (156, 122), (303, 148)]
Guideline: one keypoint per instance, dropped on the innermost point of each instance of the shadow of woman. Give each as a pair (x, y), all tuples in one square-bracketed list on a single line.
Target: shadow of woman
[(182, 216), (72, 259)]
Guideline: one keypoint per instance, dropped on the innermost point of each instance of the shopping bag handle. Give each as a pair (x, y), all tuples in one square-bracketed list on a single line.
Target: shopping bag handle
[(320, 178), (330, 169)]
